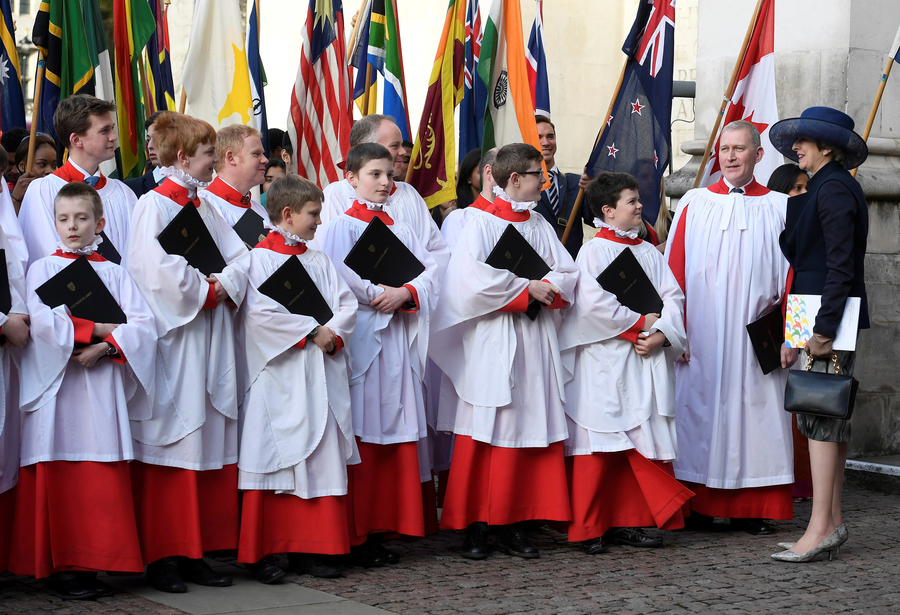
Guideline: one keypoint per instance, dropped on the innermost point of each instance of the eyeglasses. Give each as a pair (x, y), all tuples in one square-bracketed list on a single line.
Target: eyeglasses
[(539, 172)]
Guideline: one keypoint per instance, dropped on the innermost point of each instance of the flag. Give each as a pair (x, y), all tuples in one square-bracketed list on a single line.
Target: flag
[(159, 77), (385, 56), (359, 59), (12, 100), (637, 135), (133, 26), (537, 65), (104, 82), (320, 117), (216, 75), (753, 98), (257, 78), (68, 68), (895, 47), (471, 109), (433, 160), (509, 112)]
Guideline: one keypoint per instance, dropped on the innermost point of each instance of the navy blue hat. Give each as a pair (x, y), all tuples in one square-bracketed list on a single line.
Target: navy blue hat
[(825, 124)]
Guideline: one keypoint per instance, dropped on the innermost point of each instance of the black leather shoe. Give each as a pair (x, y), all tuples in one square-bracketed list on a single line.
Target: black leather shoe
[(594, 546), (365, 556), (311, 563), (633, 537), (512, 541), (697, 521), (73, 585), (199, 572), (164, 576), (389, 556), (475, 544), (756, 527), (103, 590), (267, 570)]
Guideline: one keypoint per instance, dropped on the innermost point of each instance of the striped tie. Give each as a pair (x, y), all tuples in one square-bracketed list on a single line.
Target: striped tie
[(553, 194)]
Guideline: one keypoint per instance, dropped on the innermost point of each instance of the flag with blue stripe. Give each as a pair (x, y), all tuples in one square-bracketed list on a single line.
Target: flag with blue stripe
[(471, 110), (537, 65), (257, 79), (12, 101)]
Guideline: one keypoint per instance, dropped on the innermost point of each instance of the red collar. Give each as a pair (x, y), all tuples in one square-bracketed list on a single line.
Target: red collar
[(221, 189), (95, 256), (361, 212), (481, 203), (69, 173), (610, 234), (754, 188), (503, 210), (393, 189), (275, 242), (177, 193)]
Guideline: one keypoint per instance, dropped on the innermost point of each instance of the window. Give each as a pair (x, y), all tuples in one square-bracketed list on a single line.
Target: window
[(24, 7)]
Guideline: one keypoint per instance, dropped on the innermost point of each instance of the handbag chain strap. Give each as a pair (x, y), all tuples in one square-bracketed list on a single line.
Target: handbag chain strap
[(834, 362)]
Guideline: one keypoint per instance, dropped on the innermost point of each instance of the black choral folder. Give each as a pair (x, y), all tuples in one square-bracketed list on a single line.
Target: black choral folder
[(627, 280), (186, 235), (380, 257), (80, 288), (766, 336), (515, 254), (292, 287), (107, 250), (5, 295), (250, 229)]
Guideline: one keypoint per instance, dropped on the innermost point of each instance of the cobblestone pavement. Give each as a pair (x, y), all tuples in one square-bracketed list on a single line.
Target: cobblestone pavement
[(716, 571)]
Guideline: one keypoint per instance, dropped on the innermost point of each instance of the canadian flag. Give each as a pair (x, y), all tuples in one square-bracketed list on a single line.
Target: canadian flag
[(754, 96)]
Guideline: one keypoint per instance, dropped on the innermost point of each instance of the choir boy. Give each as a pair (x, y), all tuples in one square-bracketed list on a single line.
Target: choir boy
[(241, 167), (86, 128), (74, 509), (508, 463), (296, 424), (387, 366), (185, 479), (620, 402)]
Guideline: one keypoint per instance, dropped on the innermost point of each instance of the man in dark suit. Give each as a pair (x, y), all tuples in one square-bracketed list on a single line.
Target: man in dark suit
[(558, 199), (151, 179)]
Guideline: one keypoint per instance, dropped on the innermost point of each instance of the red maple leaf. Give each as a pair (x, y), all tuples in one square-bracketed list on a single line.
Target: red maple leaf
[(737, 111)]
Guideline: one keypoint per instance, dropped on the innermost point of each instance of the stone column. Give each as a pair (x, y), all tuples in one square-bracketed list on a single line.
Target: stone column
[(831, 53)]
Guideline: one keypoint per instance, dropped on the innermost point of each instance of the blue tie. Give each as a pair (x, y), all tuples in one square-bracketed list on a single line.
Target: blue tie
[(91, 180)]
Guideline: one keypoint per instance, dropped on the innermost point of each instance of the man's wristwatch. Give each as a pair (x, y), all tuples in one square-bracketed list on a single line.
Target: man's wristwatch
[(312, 334), (111, 350)]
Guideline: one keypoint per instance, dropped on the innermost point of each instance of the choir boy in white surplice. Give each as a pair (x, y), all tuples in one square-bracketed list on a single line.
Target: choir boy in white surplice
[(736, 446), (620, 399), (505, 368), (74, 509), (387, 366), (241, 166), (13, 326), (296, 424), (185, 476), (85, 126)]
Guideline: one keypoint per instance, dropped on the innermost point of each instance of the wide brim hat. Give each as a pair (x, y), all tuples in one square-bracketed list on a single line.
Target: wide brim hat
[(825, 124)]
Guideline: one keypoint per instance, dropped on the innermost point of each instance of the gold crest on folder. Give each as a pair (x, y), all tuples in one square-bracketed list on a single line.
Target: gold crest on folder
[(287, 284), (184, 232), (71, 286), (371, 248), (622, 274), (508, 255)]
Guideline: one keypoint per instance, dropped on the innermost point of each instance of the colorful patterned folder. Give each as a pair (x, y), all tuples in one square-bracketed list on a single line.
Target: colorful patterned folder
[(800, 319)]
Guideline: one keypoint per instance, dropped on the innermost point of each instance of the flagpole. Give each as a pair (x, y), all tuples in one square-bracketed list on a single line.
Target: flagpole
[(365, 109), (150, 103), (876, 104), (35, 113), (359, 16), (577, 206), (727, 98)]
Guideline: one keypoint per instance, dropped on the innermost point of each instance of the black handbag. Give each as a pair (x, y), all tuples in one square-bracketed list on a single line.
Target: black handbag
[(819, 394)]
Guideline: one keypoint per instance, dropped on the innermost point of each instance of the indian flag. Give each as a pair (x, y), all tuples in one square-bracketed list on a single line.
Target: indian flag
[(509, 113)]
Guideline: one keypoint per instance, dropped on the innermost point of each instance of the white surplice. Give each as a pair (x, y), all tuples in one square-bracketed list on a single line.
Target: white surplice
[(193, 420), (505, 368), (37, 219), (10, 417), (295, 418), (9, 222), (389, 351), (618, 400), (232, 213), (455, 222), (73, 413), (732, 427)]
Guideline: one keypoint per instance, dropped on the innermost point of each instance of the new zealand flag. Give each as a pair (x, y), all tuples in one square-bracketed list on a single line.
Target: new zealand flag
[(637, 135)]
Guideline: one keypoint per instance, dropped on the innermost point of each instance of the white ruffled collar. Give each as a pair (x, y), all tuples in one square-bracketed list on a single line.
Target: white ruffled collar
[(85, 251), (516, 205), (370, 205), (289, 238), (629, 234), (183, 179)]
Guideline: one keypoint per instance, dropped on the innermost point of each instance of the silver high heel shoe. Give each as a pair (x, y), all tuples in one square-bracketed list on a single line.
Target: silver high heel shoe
[(841, 529), (830, 544)]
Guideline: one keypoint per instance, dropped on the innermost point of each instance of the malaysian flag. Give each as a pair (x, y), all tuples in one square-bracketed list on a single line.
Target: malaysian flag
[(471, 110), (320, 118), (537, 65), (637, 135)]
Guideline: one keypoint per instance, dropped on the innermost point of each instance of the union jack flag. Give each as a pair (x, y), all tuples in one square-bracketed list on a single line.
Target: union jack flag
[(471, 110), (320, 118), (537, 65), (637, 136)]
